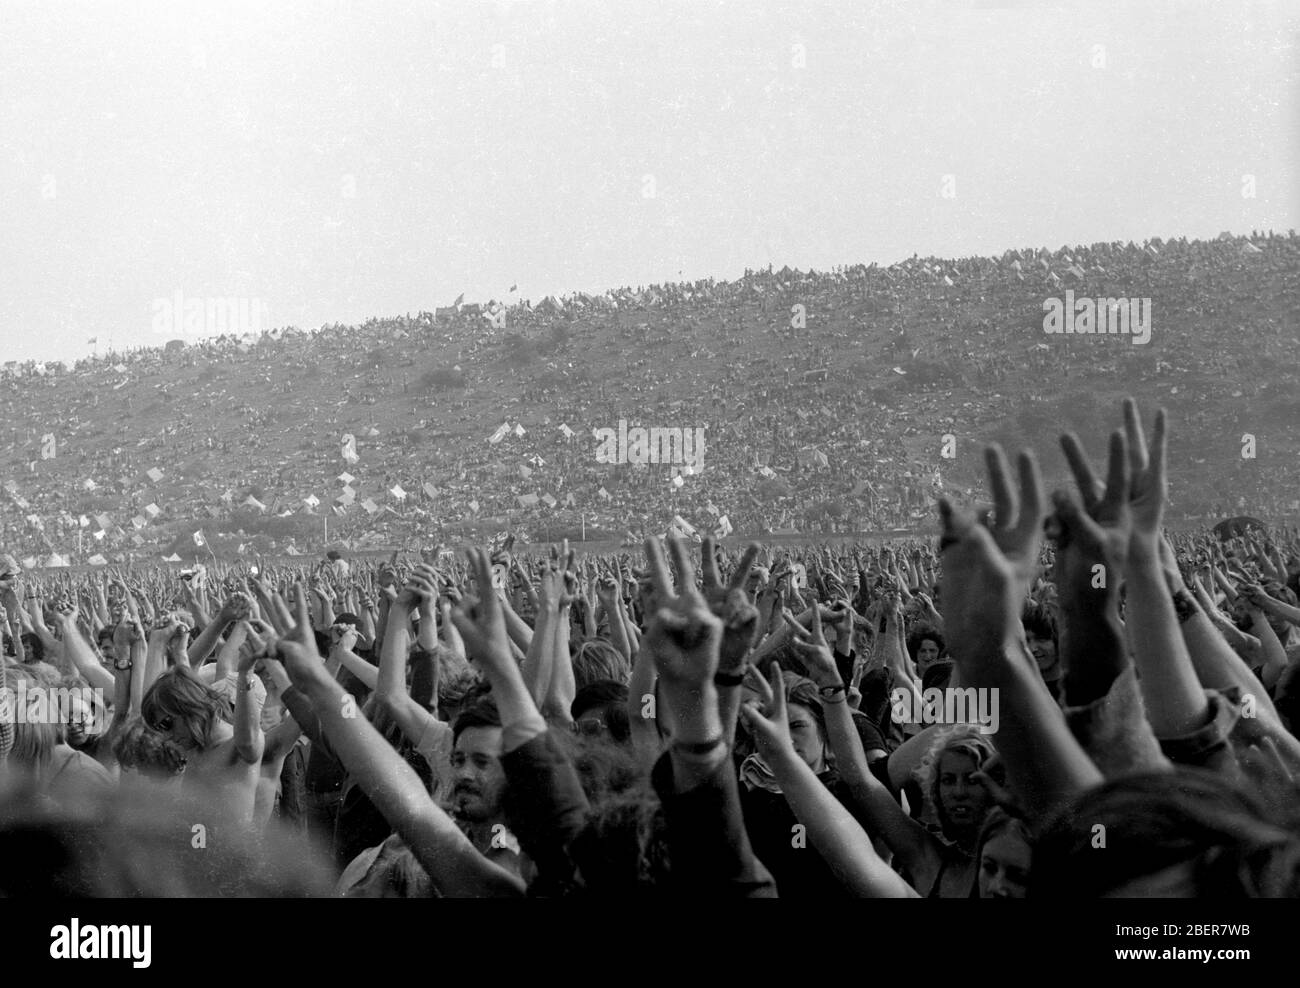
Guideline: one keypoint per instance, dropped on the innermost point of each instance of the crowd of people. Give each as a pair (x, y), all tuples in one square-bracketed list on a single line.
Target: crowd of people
[(967, 719), (824, 398)]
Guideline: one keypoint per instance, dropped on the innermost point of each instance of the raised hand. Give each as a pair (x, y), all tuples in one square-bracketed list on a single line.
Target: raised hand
[(297, 648), (237, 607), (1017, 523), (1148, 488), (683, 635), (769, 723), (981, 587), (481, 622), (729, 602), (1108, 504), (814, 652)]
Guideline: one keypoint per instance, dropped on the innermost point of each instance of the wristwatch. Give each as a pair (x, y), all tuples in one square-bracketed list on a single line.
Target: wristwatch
[(122, 666)]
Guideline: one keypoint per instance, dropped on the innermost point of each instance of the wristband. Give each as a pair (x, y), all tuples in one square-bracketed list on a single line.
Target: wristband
[(699, 747), (730, 678), (123, 666), (831, 692)]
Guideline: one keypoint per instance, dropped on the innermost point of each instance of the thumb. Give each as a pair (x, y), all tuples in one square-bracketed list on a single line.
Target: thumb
[(757, 723)]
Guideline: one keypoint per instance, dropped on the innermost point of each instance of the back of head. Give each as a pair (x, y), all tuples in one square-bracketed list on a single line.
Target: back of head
[(1209, 838), (141, 749), (610, 697), (597, 659)]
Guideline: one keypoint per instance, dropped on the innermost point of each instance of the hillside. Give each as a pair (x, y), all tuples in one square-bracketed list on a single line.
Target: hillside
[(827, 418)]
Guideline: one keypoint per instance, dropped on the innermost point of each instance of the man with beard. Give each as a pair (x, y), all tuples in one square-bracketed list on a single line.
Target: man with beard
[(479, 782)]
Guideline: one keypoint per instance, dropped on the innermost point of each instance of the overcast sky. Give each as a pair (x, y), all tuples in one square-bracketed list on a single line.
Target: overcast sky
[(335, 161)]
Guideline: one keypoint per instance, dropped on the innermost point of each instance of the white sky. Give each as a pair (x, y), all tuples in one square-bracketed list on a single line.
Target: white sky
[(150, 148)]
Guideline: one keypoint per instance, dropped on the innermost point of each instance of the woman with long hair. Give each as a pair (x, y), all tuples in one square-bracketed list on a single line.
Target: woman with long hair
[(223, 747)]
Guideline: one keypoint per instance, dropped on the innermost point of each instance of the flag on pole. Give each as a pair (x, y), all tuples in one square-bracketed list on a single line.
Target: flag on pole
[(397, 492), (568, 433), (154, 474), (346, 477), (253, 502), (152, 510), (459, 299), (199, 539), (520, 430), (500, 434)]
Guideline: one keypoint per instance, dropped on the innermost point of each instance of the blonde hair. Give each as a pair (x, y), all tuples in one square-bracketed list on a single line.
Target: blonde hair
[(964, 739)]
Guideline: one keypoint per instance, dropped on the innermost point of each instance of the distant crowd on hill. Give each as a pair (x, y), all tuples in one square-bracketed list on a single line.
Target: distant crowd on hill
[(773, 368)]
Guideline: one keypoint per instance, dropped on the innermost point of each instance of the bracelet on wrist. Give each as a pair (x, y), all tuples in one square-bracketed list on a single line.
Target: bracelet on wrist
[(730, 679), (831, 692), (1185, 606)]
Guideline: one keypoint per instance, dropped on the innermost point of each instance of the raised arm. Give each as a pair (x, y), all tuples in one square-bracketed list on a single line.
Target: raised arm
[(455, 867), (696, 782), (916, 849), (80, 653), (832, 830), (985, 576), (1176, 704), (390, 681), (249, 740)]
